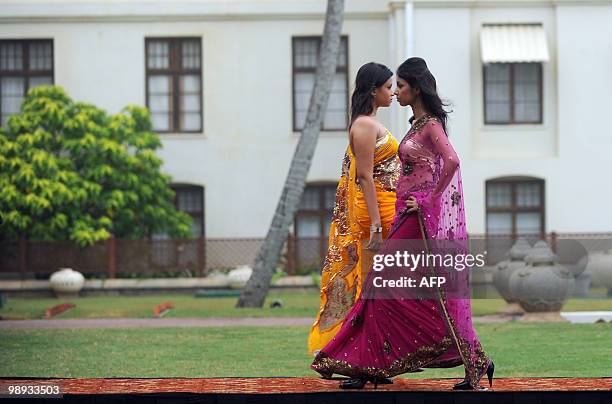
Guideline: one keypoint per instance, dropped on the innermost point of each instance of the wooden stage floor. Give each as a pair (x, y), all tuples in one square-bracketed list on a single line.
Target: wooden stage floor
[(314, 390)]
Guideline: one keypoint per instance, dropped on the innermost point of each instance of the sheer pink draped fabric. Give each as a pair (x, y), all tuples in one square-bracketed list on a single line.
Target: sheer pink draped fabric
[(384, 337)]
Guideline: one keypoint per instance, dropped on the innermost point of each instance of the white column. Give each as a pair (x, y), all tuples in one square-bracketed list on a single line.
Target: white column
[(409, 28), (401, 47), (393, 63)]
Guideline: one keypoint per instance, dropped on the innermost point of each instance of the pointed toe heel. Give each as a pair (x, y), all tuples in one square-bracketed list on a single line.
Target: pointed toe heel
[(490, 370), (354, 384), (462, 385), (385, 380)]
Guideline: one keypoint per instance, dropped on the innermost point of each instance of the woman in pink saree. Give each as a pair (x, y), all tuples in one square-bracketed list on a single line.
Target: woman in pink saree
[(390, 331)]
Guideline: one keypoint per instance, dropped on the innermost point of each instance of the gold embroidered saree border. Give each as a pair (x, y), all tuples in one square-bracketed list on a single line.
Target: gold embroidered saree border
[(327, 366)]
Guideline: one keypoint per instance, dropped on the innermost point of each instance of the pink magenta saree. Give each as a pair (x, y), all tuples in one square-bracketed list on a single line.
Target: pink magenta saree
[(390, 331)]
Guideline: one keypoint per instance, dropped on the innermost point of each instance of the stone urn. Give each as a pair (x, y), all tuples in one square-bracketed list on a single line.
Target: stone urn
[(238, 277), (66, 283), (582, 280), (600, 266), (541, 285), (505, 269), (574, 256)]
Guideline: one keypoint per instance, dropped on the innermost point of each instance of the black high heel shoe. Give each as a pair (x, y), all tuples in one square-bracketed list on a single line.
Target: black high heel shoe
[(490, 370), (465, 385), (360, 382), (353, 383), (385, 380), (462, 385)]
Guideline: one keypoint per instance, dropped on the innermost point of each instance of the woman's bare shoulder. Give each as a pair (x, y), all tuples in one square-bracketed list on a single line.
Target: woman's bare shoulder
[(365, 123)]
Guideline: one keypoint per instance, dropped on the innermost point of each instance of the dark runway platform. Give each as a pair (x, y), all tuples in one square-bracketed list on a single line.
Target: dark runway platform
[(297, 390)]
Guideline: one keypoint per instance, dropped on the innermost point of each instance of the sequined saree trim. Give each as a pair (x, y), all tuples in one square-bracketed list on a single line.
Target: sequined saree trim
[(473, 358), (339, 298), (341, 272), (386, 172), (327, 366)]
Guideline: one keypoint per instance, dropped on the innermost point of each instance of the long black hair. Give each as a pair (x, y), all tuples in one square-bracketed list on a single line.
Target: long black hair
[(416, 73), (369, 76)]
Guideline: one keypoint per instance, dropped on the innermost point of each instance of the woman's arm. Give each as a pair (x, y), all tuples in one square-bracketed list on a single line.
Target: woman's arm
[(445, 150), (363, 135), (450, 163)]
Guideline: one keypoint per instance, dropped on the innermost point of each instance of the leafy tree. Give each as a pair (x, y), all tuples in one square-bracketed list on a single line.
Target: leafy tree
[(70, 171)]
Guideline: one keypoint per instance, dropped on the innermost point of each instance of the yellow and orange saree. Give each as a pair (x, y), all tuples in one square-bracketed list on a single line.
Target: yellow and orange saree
[(347, 260)]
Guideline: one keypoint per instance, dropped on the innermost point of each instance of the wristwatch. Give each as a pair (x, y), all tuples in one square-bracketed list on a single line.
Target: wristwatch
[(375, 229)]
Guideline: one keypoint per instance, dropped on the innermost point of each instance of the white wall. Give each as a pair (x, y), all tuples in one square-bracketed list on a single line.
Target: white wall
[(558, 150), (243, 154), (583, 176)]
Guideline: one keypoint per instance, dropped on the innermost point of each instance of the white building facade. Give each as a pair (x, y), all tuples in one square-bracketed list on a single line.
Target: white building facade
[(228, 81)]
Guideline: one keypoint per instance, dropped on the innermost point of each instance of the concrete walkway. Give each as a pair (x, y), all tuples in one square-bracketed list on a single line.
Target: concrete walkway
[(157, 322), (187, 322)]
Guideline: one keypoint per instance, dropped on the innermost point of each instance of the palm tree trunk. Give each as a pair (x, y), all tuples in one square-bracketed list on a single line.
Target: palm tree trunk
[(256, 289)]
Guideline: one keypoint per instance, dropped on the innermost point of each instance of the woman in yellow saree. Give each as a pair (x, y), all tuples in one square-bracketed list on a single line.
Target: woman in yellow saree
[(365, 203)]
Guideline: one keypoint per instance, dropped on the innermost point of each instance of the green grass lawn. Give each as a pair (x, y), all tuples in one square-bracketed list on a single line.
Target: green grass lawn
[(297, 303), (573, 350)]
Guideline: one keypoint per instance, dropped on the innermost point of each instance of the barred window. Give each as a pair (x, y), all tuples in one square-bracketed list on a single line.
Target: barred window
[(190, 199), (305, 60), (24, 64), (174, 84), (515, 207), (513, 93), (312, 224)]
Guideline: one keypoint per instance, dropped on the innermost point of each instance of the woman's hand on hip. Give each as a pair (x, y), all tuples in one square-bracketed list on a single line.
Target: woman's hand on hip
[(412, 205)]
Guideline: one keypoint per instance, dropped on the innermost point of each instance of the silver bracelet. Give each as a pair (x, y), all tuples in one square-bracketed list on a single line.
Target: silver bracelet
[(375, 229)]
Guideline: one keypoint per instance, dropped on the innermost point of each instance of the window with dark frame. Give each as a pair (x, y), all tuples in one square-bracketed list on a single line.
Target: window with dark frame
[(312, 223), (513, 93), (305, 58), (24, 64), (174, 84), (515, 207), (190, 200)]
